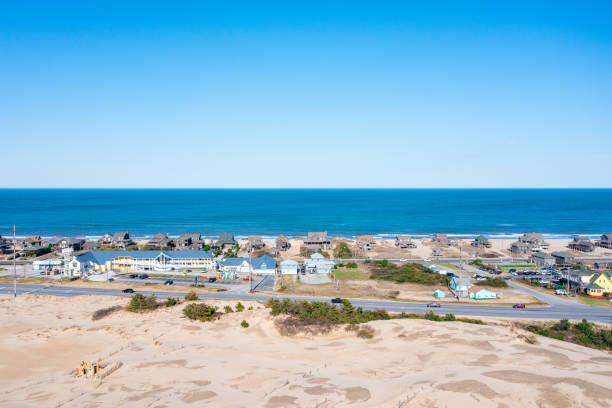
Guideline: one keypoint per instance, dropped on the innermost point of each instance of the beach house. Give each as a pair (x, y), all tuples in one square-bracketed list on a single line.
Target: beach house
[(535, 241), (404, 241), (436, 252), (289, 267), (605, 241), (121, 240), (315, 241), (481, 242), (226, 239), (160, 240), (599, 284), (318, 264), (563, 259), (191, 241), (520, 248), (264, 265), (231, 268), (441, 239), (480, 293), (581, 244), (460, 286), (163, 261), (282, 243), (365, 242), (76, 244), (542, 259), (254, 243)]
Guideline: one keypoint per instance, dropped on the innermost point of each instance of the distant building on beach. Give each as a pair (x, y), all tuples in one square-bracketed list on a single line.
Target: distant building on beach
[(104, 261), (318, 264), (317, 240), (282, 243), (481, 242), (191, 241), (118, 239), (254, 243), (436, 252), (563, 259), (520, 248), (241, 267), (404, 241), (535, 241), (76, 244), (160, 240), (581, 244), (365, 242), (441, 239), (226, 240), (605, 241)]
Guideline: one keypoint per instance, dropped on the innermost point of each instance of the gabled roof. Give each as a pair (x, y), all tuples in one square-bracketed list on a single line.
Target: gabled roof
[(233, 261), (543, 255), (264, 262), (562, 255), (101, 257)]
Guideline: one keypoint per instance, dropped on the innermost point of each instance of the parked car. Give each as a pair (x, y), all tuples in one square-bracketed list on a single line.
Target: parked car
[(212, 279), (519, 306), (168, 282), (433, 304), (506, 278), (451, 275), (111, 279), (133, 276), (561, 292), (143, 276), (128, 290), (403, 260), (512, 270), (336, 300)]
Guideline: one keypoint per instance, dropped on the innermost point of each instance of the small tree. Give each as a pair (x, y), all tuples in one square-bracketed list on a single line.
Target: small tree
[(244, 324), (239, 307), (141, 303), (191, 296), (228, 309), (200, 311)]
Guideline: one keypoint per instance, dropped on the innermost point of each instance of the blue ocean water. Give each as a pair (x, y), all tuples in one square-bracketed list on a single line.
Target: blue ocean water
[(341, 212)]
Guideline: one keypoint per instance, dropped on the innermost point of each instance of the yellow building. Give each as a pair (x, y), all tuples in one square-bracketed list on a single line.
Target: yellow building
[(600, 284)]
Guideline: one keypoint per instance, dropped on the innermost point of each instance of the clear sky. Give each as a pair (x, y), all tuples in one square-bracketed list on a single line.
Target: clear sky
[(344, 94)]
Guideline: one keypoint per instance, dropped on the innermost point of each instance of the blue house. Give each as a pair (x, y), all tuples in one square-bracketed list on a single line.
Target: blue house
[(478, 293)]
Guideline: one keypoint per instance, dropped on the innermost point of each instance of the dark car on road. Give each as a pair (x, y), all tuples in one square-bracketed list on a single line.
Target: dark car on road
[(143, 276), (168, 282), (336, 300), (128, 290), (433, 304), (519, 306), (133, 276), (212, 279)]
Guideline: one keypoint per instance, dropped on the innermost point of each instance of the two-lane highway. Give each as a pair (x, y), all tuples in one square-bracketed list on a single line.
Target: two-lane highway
[(565, 310)]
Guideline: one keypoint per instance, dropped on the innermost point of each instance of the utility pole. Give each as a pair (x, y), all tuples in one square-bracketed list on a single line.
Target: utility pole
[(14, 263), (250, 270)]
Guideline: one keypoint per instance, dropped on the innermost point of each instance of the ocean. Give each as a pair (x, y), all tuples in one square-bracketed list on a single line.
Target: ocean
[(341, 212)]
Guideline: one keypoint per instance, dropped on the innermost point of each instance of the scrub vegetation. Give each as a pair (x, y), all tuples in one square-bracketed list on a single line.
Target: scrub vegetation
[(407, 273)]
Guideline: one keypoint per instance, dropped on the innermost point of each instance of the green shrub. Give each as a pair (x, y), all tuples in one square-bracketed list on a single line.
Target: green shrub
[(200, 311), (351, 265), (172, 302), (365, 332), (228, 309), (250, 308), (563, 325), (239, 307), (244, 324), (323, 312), (191, 296), (342, 251), (407, 273), (449, 317), (494, 282), (141, 303)]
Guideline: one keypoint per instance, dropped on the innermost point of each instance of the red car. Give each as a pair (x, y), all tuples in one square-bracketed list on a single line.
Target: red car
[(519, 306)]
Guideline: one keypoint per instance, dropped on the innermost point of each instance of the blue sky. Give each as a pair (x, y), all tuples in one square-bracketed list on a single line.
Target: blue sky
[(343, 94)]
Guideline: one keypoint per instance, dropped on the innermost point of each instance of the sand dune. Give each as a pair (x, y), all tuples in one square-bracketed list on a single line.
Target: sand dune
[(169, 361)]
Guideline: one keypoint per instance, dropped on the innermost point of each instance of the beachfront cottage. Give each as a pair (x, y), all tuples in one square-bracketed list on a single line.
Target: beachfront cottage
[(535, 241), (160, 240), (91, 245), (164, 261), (605, 241), (191, 241), (289, 267), (365, 242), (480, 293), (282, 243), (542, 259), (600, 284), (234, 267), (460, 286), (76, 244), (226, 239), (263, 265), (436, 252), (581, 244), (481, 242), (520, 248), (318, 264), (441, 239), (563, 259), (404, 241), (254, 243), (121, 240), (316, 241), (106, 239)]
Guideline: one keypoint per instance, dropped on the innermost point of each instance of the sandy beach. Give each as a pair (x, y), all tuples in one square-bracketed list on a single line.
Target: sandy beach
[(169, 361)]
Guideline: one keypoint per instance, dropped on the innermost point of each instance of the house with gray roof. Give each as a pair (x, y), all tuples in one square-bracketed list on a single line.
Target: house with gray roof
[(520, 248), (76, 244), (254, 243), (160, 240), (605, 241), (191, 241), (542, 259), (563, 259), (404, 241), (481, 242), (226, 240), (534, 240), (318, 264), (582, 244), (315, 241), (282, 243)]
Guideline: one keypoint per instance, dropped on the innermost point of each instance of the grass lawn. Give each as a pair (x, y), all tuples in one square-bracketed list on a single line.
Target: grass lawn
[(445, 265), (344, 273)]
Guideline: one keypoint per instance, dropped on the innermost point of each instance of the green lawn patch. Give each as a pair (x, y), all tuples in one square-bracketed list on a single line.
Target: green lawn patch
[(345, 273), (407, 273)]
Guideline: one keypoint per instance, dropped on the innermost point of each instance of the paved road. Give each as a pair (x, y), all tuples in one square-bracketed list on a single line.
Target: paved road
[(557, 310)]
